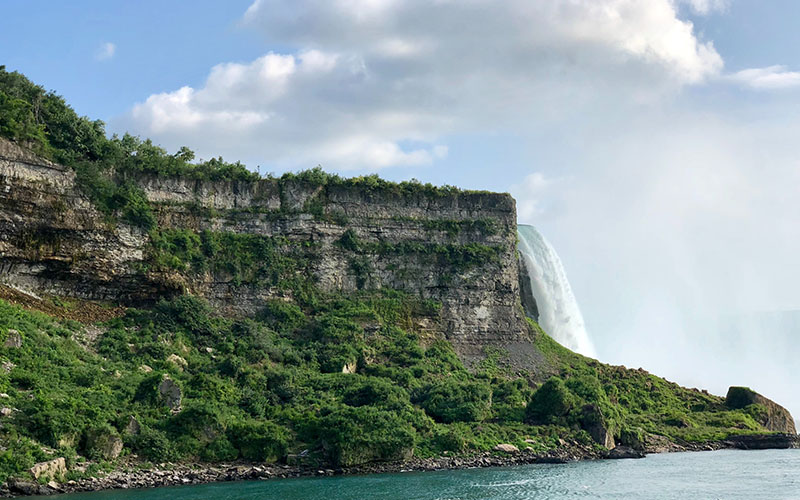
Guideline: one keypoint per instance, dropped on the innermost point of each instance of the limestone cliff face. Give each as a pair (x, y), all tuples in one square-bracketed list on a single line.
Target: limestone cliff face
[(53, 241)]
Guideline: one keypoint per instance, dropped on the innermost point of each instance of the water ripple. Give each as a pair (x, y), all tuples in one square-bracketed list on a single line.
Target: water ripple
[(726, 474)]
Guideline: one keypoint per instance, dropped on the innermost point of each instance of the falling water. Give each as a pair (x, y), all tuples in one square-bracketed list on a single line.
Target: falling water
[(558, 311)]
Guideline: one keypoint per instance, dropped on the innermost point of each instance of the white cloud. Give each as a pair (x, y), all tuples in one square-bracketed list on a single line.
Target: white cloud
[(532, 194), (105, 52), (704, 7), (365, 78), (768, 78)]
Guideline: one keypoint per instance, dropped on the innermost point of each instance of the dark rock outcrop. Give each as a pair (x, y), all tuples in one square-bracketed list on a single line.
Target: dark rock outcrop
[(772, 415), (764, 441), (526, 292), (170, 394), (594, 422), (623, 452)]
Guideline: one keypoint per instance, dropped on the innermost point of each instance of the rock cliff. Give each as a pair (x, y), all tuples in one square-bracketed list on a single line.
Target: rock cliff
[(770, 414), (455, 248)]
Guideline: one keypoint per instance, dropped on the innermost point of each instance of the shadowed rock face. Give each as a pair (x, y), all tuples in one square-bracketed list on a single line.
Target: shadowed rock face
[(53, 241), (526, 292), (764, 441), (774, 416)]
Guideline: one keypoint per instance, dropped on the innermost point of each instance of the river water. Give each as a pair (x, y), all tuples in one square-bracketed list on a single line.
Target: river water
[(724, 474)]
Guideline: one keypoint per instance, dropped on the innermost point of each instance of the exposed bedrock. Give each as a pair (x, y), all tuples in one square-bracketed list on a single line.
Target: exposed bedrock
[(770, 414), (53, 241)]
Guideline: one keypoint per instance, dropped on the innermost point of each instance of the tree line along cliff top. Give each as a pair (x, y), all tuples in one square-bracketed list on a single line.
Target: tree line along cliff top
[(45, 124)]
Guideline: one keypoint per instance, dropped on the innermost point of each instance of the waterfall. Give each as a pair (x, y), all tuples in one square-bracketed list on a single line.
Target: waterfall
[(557, 309)]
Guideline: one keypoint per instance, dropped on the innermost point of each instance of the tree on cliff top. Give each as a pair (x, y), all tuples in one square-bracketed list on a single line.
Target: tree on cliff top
[(45, 123)]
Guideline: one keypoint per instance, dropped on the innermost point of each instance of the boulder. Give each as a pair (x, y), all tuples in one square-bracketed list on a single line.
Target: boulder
[(774, 417), (52, 469), (593, 422), (104, 443), (633, 437), (23, 487), (170, 393), (506, 448), (13, 339), (133, 428), (177, 361), (623, 452)]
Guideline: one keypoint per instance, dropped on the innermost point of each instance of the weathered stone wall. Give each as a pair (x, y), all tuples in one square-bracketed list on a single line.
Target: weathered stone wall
[(53, 241)]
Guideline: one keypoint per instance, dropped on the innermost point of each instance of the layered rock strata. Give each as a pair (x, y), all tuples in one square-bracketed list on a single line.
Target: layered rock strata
[(54, 241)]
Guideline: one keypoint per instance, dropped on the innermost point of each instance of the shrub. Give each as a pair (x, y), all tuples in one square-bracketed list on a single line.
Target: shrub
[(259, 441), (453, 401), (373, 391), (282, 315), (186, 313), (219, 449), (447, 438), (350, 241), (357, 435), (153, 445), (550, 403)]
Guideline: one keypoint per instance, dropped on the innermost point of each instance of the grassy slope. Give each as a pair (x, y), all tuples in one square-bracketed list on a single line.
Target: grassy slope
[(636, 402), (260, 389)]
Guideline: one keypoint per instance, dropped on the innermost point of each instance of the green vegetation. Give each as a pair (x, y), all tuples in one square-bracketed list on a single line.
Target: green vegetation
[(265, 388), (245, 258), (251, 389), (632, 402), (450, 256), (43, 122), (453, 227), (373, 184)]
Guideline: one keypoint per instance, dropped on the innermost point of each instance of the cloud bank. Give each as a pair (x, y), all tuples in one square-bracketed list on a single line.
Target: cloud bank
[(376, 83)]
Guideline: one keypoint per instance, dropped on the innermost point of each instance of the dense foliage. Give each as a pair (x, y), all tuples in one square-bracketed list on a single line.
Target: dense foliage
[(279, 385), (633, 403), (252, 389)]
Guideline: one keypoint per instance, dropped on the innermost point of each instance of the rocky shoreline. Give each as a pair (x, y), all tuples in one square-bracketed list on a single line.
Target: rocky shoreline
[(133, 475)]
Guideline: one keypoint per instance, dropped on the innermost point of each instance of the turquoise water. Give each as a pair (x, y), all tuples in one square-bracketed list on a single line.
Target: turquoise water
[(725, 474)]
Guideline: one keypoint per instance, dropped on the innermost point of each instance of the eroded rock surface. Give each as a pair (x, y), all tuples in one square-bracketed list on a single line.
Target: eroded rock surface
[(774, 416), (53, 241), (52, 469)]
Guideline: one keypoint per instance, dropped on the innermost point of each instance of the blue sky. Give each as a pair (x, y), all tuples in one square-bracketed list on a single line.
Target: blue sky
[(652, 141), (162, 46)]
